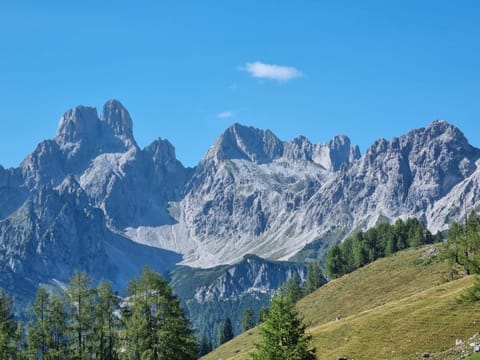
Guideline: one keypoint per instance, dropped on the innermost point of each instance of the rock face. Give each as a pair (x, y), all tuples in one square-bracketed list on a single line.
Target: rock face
[(56, 231), (62, 208), (91, 198), (248, 186), (209, 295), (278, 197)]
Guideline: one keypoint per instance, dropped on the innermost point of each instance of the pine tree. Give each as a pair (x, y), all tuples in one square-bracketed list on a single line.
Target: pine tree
[(155, 324), (462, 247), (248, 319), (8, 328), (57, 318), (335, 262), (225, 331), (81, 300), (262, 314), (315, 278), (39, 335), (293, 289), (283, 334), (46, 336), (106, 324)]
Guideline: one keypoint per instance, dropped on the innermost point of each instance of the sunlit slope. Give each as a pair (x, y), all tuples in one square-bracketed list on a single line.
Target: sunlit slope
[(394, 308)]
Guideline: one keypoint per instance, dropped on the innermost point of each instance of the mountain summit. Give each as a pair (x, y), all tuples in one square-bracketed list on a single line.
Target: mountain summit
[(81, 128), (92, 187)]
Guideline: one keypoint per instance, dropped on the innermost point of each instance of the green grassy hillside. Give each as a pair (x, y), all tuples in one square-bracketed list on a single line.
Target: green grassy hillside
[(395, 308)]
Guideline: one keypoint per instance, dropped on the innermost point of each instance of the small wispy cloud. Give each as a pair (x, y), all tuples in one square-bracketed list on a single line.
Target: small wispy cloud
[(261, 70), (225, 115)]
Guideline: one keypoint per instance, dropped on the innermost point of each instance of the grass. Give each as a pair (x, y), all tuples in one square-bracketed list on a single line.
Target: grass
[(395, 308)]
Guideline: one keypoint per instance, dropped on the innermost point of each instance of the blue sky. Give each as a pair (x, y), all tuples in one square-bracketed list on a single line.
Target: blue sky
[(186, 70)]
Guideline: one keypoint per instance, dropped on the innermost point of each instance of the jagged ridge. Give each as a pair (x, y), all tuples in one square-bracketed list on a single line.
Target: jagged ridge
[(251, 193)]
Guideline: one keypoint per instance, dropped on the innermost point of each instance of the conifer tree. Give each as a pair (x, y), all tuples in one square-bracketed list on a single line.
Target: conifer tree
[(46, 336), (9, 334), (283, 334), (81, 300), (39, 334), (315, 278), (106, 324), (155, 324), (248, 319), (225, 331), (293, 289), (57, 318), (335, 262), (262, 314), (462, 247)]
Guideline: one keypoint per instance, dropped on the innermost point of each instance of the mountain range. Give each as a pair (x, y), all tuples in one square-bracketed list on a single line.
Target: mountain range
[(92, 199)]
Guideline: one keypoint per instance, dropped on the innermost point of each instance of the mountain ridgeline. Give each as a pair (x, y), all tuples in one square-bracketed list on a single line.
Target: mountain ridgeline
[(91, 199)]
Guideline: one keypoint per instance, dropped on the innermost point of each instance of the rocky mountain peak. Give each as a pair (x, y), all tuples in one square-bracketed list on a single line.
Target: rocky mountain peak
[(341, 152), (161, 151), (77, 125), (246, 142), (117, 120), (438, 131), (81, 130)]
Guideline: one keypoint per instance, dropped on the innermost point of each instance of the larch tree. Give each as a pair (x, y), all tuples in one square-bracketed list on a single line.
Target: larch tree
[(81, 296), (248, 319), (283, 334), (155, 324), (106, 324), (225, 331), (293, 288), (315, 278), (8, 328), (39, 334)]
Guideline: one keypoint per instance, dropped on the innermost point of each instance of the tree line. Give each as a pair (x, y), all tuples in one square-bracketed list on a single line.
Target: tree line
[(385, 239), (462, 247), (87, 322)]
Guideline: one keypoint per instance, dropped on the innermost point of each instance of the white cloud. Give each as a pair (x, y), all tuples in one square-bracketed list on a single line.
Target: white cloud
[(225, 115), (270, 71)]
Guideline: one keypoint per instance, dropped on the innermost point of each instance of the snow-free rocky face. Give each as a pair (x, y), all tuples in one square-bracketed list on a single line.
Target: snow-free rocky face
[(91, 196)]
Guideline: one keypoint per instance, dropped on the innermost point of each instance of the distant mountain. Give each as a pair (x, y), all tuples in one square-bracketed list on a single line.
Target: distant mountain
[(252, 193), (210, 295), (90, 198)]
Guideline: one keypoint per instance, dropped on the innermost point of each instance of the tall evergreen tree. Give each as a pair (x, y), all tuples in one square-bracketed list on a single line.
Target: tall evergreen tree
[(9, 335), (293, 288), (81, 297), (57, 318), (248, 319), (462, 246), (335, 262), (315, 278), (155, 324), (39, 334), (283, 334), (106, 324), (225, 331), (46, 336), (262, 314)]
